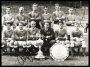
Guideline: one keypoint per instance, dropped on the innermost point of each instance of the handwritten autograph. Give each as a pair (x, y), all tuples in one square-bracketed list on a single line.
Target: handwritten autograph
[(22, 59)]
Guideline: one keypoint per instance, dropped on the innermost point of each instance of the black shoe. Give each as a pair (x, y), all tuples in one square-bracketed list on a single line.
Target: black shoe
[(72, 55)]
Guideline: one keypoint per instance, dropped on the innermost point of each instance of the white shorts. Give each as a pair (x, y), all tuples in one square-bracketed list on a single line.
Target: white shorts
[(9, 43), (36, 43), (70, 29), (24, 27), (5, 27), (20, 43), (83, 43)]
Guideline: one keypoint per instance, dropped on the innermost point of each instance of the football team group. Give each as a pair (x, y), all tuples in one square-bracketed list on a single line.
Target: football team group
[(27, 31)]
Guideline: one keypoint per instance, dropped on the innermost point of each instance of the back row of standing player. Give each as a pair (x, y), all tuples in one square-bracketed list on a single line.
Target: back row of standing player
[(53, 18)]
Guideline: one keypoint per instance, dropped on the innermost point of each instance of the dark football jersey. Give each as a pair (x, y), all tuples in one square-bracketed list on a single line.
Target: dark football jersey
[(20, 18), (20, 33), (46, 16), (36, 17), (7, 34), (61, 32), (77, 33), (33, 32), (8, 18), (55, 15)]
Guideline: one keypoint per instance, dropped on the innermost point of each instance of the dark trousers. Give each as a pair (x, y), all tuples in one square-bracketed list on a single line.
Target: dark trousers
[(34, 50), (85, 30), (27, 51), (46, 47), (37, 24), (75, 50)]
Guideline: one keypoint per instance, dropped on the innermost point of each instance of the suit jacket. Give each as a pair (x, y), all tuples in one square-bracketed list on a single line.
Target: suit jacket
[(48, 32)]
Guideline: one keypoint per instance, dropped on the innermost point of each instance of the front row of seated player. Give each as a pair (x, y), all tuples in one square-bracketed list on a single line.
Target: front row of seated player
[(29, 37)]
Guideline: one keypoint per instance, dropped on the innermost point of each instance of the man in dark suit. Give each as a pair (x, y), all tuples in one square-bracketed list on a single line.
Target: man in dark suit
[(48, 37)]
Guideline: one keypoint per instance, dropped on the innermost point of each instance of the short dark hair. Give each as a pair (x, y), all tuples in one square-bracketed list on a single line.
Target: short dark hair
[(61, 22), (46, 7), (8, 7), (8, 24), (56, 4), (35, 4), (20, 24), (48, 23), (33, 21)]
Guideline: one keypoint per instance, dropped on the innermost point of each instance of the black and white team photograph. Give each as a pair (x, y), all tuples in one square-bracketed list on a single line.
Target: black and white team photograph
[(44, 33)]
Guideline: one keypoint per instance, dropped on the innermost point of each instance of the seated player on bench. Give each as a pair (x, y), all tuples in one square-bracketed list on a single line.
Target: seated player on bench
[(61, 35), (21, 17), (33, 36), (20, 36), (7, 37), (71, 18), (77, 40), (48, 37)]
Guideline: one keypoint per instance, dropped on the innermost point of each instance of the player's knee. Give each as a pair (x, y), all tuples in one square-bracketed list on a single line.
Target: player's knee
[(29, 43), (4, 42), (16, 43), (39, 42), (35, 44), (20, 43), (12, 42), (83, 44), (78, 44), (67, 42), (52, 41), (72, 42), (24, 43), (68, 45)]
